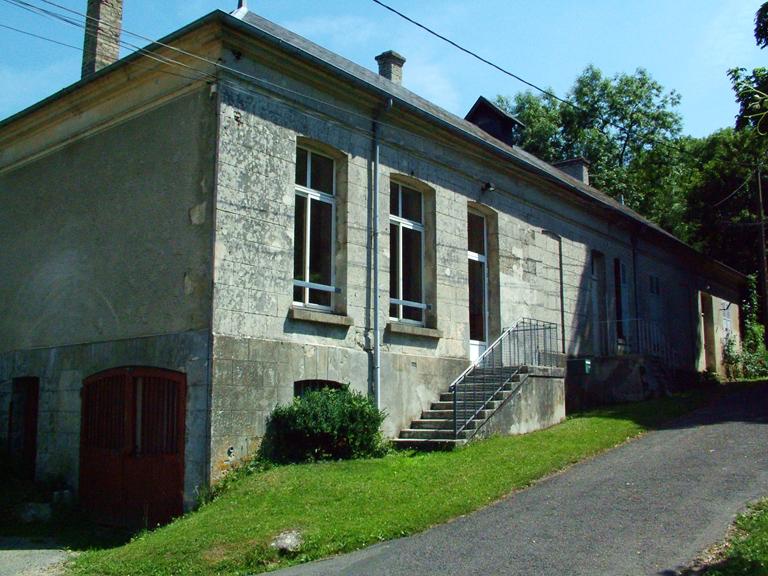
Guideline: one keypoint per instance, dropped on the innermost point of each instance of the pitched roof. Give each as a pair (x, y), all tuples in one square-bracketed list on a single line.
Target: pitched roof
[(291, 42), (270, 31)]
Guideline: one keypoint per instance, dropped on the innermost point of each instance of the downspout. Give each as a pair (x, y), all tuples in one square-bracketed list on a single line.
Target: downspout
[(375, 233), (215, 92), (555, 236), (634, 290), (562, 292)]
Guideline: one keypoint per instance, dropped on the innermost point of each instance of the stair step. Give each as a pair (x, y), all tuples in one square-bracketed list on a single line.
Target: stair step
[(420, 444), (469, 395), (448, 414), (465, 405), (438, 424), (427, 434), (489, 378)]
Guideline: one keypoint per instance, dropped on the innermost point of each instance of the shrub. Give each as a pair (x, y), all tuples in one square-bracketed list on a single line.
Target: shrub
[(752, 360), (324, 425)]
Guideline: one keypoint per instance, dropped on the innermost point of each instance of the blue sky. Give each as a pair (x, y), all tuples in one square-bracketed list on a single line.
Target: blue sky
[(686, 45)]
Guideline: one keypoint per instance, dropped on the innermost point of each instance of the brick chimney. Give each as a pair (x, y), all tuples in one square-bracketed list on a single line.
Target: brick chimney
[(575, 167), (391, 66), (102, 35)]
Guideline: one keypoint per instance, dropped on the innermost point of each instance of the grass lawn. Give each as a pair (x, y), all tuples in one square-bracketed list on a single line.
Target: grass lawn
[(342, 506), (747, 554)]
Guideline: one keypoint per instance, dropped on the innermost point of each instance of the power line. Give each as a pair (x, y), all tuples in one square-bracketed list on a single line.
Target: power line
[(619, 127), (218, 65), (125, 44), (475, 55), (733, 193), (78, 48)]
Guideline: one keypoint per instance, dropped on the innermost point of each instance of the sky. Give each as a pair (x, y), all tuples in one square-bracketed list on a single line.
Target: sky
[(686, 45)]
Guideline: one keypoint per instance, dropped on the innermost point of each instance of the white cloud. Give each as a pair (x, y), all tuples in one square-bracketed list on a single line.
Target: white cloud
[(433, 82)]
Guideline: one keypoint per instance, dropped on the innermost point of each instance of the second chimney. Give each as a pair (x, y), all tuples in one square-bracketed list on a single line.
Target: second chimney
[(102, 35), (391, 66), (576, 167)]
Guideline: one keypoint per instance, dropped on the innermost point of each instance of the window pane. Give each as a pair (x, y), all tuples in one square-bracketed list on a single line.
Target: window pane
[(411, 204), (298, 294), (476, 300), (410, 313), (393, 311), (301, 167), (412, 266), (320, 242), (394, 199), (319, 297), (300, 225), (394, 251), (475, 233), (322, 174)]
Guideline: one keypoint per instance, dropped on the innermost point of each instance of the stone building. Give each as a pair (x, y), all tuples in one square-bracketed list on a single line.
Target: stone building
[(192, 238)]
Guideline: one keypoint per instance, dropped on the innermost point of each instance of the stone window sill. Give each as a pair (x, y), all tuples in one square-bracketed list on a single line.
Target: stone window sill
[(308, 315), (413, 330)]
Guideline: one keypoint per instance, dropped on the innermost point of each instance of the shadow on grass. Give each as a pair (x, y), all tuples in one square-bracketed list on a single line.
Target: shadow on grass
[(732, 402), (734, 565)]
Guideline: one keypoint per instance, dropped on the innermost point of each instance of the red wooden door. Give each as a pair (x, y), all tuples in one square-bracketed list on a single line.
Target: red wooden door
[(132, 446)]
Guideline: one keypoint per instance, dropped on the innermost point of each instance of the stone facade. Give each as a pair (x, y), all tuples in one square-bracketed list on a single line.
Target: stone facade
[(159, 230)]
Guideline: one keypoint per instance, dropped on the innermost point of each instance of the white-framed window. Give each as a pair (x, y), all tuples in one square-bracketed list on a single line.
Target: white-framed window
[(477, 281), (621, 288), (314, 248), (406, 250)]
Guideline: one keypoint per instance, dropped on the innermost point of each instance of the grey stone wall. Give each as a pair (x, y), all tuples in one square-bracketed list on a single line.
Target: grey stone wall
[(107, 261), (61, 371), (538, 403), (252, 301), (110, 236)]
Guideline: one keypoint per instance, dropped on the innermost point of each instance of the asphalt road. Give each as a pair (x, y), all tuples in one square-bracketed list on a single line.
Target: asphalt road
[(30, 556), (647, 507)]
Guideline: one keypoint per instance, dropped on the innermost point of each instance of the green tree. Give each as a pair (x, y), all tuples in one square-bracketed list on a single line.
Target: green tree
[(614, 123), (752, 87), (721, 199)]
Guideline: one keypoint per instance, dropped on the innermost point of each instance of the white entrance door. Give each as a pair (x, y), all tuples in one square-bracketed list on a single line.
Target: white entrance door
[(477, 267)]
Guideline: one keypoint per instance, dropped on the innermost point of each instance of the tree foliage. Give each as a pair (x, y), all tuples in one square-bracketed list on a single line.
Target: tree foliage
[(615, 123), (751, 88), (721, 198)]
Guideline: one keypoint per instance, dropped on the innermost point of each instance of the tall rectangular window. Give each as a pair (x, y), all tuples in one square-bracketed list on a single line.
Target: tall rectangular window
[(477, 267), (406, 249), (621, 292), (314, 230)]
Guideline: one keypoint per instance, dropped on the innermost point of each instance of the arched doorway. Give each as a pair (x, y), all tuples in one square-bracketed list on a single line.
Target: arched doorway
[(132, 446)]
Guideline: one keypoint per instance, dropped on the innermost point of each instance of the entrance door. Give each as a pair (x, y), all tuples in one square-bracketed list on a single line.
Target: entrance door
[(132, 446), (708, 328), (477, 267), (22, 425), (599, 314)]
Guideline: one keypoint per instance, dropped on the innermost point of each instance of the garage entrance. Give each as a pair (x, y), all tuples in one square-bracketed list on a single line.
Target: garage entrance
[(132, 446)]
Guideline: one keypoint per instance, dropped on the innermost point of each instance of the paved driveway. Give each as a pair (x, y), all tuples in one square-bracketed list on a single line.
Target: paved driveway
[(646, 507), (28, 556)]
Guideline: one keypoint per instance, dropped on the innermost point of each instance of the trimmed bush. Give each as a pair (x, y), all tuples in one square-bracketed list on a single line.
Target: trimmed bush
[(324, 425)]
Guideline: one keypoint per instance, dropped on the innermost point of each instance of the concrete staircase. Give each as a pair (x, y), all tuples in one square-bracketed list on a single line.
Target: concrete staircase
[(480, 389)]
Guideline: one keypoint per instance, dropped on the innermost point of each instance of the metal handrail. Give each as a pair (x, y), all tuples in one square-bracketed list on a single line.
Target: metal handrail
[(642, 336), (528, 342)]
